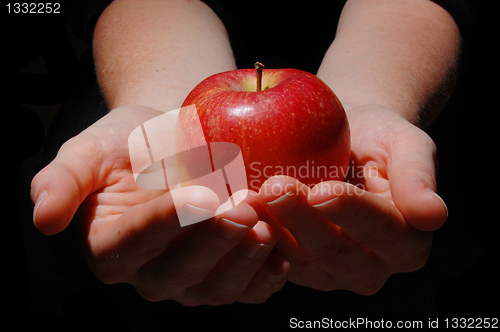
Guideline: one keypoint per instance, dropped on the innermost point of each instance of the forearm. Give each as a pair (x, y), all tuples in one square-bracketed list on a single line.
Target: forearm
[(152, 53), (402, 54)]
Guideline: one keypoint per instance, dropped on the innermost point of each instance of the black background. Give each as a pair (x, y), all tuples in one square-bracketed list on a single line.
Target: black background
[(47, 282)]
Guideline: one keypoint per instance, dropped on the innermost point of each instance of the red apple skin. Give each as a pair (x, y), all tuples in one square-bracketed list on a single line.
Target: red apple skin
[(293, 126)]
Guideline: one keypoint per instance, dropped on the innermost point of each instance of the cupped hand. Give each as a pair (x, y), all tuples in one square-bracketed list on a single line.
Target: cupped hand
[(133, 235), (353, 235)]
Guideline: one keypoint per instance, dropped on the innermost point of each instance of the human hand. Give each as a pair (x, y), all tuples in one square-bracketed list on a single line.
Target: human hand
[(353, 236), (132, 235)]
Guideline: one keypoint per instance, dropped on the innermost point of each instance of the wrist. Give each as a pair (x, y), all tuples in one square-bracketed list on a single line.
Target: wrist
[(369, 115), (411, 114), (375, 90)]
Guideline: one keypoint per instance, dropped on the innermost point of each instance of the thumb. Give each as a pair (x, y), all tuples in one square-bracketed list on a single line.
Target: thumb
[(58, 190), (82, 166), (412, 178)]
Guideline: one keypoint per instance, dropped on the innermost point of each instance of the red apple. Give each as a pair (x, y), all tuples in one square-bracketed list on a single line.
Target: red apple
[(294, 126)]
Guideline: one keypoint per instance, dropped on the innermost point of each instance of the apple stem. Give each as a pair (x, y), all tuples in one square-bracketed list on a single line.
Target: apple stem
[(258, 68)]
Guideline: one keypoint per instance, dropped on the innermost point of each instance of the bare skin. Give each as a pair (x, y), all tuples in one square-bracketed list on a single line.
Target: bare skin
[(384, 67)]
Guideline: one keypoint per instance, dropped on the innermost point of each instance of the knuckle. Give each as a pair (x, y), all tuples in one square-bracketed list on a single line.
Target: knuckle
[(415, 263), (371, 288), (333, 252), (185, 277), (215, 298), (326, 287), (150, 295), (152, 291), (258, 300), (370, 285), (106, 277), (106, 274), (259, 297), (106, 267), (416, 259)]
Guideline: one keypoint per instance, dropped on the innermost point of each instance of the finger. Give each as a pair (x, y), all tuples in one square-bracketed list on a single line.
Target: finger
[(320, 241), (60, 187), (232, 275), (286, 245), (82, 166), (412, 178), (190, 258), (144, 232), (268, 280), (333, 260), (373, 222)]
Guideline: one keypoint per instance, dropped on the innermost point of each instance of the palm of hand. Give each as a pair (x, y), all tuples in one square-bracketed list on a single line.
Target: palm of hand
[(132, 235), (111, 193), (338, 236), (353, 243)]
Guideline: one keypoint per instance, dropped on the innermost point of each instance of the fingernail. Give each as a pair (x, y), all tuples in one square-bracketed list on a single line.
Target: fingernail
[(433, 193), (255, 250), (326, 203), (190, 214), (233, 230), (284, 203), (281, 198), (39, 201), (329, 206)]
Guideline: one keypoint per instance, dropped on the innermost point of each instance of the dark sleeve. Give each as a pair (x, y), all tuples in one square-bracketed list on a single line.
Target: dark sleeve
[(463, 12), (82, 16)]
